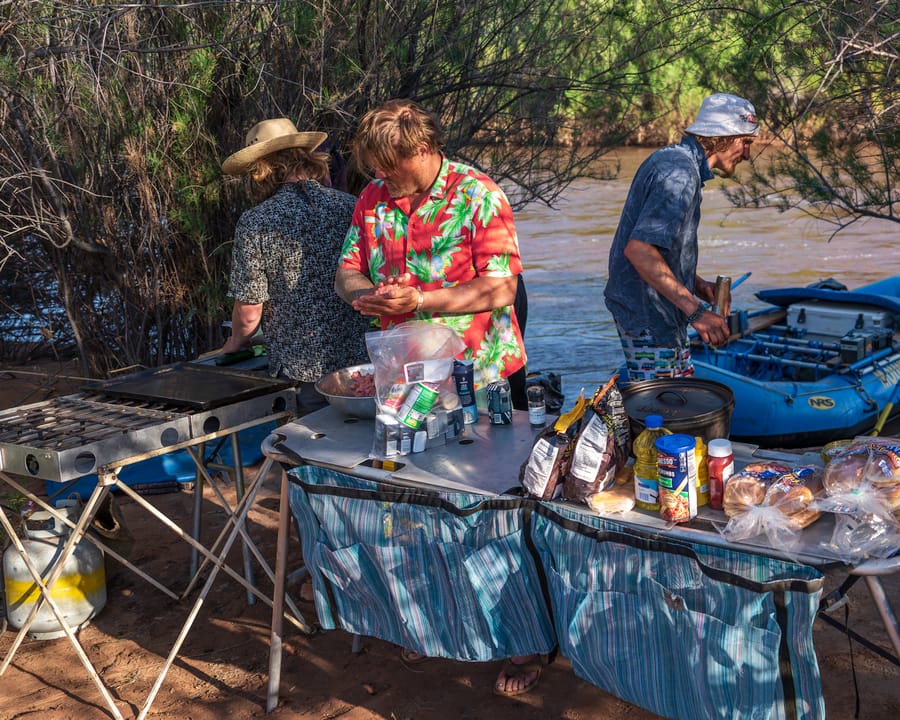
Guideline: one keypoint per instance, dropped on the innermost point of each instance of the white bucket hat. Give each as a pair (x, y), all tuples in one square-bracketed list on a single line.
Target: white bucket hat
[(722, 115), (267, 137)]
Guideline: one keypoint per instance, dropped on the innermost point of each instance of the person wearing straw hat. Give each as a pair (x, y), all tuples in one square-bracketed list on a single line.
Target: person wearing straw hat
[(285, 254), (653, 290)]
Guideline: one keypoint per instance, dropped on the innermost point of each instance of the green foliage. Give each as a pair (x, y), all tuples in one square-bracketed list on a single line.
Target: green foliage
[(116, 118)]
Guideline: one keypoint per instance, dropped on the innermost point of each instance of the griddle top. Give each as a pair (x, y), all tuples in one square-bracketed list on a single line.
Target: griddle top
[(189, 385)]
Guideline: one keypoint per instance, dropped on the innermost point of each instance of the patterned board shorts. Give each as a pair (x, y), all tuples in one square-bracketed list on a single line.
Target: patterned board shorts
[(645, 360)]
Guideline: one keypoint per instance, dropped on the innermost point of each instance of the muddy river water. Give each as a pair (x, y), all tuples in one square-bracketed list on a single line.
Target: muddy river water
[(565, 252)]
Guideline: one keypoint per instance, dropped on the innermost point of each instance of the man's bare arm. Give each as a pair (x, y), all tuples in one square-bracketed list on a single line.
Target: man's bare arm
[(654, 271), (350, 284)]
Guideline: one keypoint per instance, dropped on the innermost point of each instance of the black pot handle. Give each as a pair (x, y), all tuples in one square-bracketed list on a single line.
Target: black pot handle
[(682, 398)]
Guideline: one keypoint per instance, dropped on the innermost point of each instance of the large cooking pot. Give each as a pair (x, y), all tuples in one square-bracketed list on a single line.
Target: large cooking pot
[(687, 405)]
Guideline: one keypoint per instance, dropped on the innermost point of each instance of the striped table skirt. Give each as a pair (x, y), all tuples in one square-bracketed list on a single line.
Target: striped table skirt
[(684, 630)]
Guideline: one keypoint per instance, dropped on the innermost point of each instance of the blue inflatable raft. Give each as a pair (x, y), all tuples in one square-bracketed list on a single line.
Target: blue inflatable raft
[(819, 364)]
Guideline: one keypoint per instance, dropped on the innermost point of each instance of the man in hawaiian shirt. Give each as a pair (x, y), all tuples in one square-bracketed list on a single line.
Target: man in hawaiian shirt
[(433, 239)]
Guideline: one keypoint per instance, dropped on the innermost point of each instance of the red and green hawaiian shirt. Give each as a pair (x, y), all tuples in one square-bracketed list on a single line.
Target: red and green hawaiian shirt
[(463, 229)]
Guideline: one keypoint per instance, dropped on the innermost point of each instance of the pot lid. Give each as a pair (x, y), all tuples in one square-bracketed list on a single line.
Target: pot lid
[(676, 399)]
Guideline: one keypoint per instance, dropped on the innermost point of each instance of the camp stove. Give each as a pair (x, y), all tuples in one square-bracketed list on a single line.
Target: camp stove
[(118, 419)]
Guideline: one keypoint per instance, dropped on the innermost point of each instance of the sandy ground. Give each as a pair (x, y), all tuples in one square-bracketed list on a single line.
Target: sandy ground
[(222, 669)]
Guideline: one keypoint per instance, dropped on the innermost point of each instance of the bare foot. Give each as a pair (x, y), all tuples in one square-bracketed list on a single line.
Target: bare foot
[(519, 675)]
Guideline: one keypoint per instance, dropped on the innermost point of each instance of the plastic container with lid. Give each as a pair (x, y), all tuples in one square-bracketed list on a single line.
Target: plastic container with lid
[(720, 467), (646, 479)]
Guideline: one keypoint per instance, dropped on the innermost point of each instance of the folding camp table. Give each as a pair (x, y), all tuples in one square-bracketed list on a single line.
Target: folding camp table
[(483, 467)]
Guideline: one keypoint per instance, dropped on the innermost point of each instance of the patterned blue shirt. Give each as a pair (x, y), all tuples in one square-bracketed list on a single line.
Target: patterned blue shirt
[(663, 209)]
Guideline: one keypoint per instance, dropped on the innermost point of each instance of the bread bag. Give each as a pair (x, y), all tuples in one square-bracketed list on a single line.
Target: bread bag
[(785, 508), (862, 489)]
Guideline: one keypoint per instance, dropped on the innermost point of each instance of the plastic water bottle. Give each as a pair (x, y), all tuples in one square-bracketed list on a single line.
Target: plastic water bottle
[(646, 476)]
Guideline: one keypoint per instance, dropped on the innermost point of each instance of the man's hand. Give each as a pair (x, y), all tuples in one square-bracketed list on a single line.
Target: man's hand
[(393, 296), (397, 296), (351, 284), (712, 329), (705, 290)]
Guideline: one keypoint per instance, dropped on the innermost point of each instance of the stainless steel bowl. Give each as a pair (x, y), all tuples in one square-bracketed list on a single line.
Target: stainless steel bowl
[(337, 389)]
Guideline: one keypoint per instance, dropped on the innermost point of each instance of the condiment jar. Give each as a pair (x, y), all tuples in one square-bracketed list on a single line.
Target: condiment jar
[(720, 467)]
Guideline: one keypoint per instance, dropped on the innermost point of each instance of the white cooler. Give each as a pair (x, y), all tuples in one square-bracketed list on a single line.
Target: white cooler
[(836, 319)]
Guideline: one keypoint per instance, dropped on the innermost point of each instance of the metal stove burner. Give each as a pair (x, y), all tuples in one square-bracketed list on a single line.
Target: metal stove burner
[(68, 437)]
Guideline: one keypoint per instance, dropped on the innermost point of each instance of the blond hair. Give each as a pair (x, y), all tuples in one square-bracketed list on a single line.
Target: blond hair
[(712, 145), (393, 132)]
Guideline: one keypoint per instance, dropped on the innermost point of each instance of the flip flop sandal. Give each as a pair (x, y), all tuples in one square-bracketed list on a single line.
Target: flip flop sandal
[(516, 670), (411, 657)]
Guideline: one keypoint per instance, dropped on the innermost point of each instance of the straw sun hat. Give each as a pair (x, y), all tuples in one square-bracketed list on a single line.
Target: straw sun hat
[(267, 137)]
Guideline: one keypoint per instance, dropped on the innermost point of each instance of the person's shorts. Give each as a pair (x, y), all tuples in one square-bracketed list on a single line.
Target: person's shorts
[(646, 360)]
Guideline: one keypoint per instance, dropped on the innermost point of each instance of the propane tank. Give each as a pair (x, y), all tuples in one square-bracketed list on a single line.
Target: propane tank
[(79, 592)]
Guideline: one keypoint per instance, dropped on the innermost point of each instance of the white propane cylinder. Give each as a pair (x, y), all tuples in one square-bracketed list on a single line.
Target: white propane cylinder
[(79, 592)]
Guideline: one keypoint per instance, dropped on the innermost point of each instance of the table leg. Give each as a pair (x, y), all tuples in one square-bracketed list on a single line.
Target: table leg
[(275, 639), (884, 609), (239, 491), (198, 505)]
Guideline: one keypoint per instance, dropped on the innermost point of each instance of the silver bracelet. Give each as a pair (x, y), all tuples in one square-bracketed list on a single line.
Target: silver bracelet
[(420, 300), (697, 314)]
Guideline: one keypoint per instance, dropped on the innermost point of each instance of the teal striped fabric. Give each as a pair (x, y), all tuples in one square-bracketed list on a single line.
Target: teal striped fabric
[(442, 574), (714, 633)]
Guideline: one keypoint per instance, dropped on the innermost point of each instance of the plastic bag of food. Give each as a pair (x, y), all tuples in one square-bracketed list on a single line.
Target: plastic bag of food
[(785, 508), (409, 353), (616, 500), (415, 395), (862, 485), (747, 489), (602, 444), (862, 536), (543, 473), (873, 462), (593, 464)]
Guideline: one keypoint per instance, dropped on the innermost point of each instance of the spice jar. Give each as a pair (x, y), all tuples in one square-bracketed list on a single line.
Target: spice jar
[(537, 409)]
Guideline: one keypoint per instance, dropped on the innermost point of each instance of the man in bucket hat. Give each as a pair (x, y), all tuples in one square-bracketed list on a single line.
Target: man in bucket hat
[(285, 254), (653, 290)]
